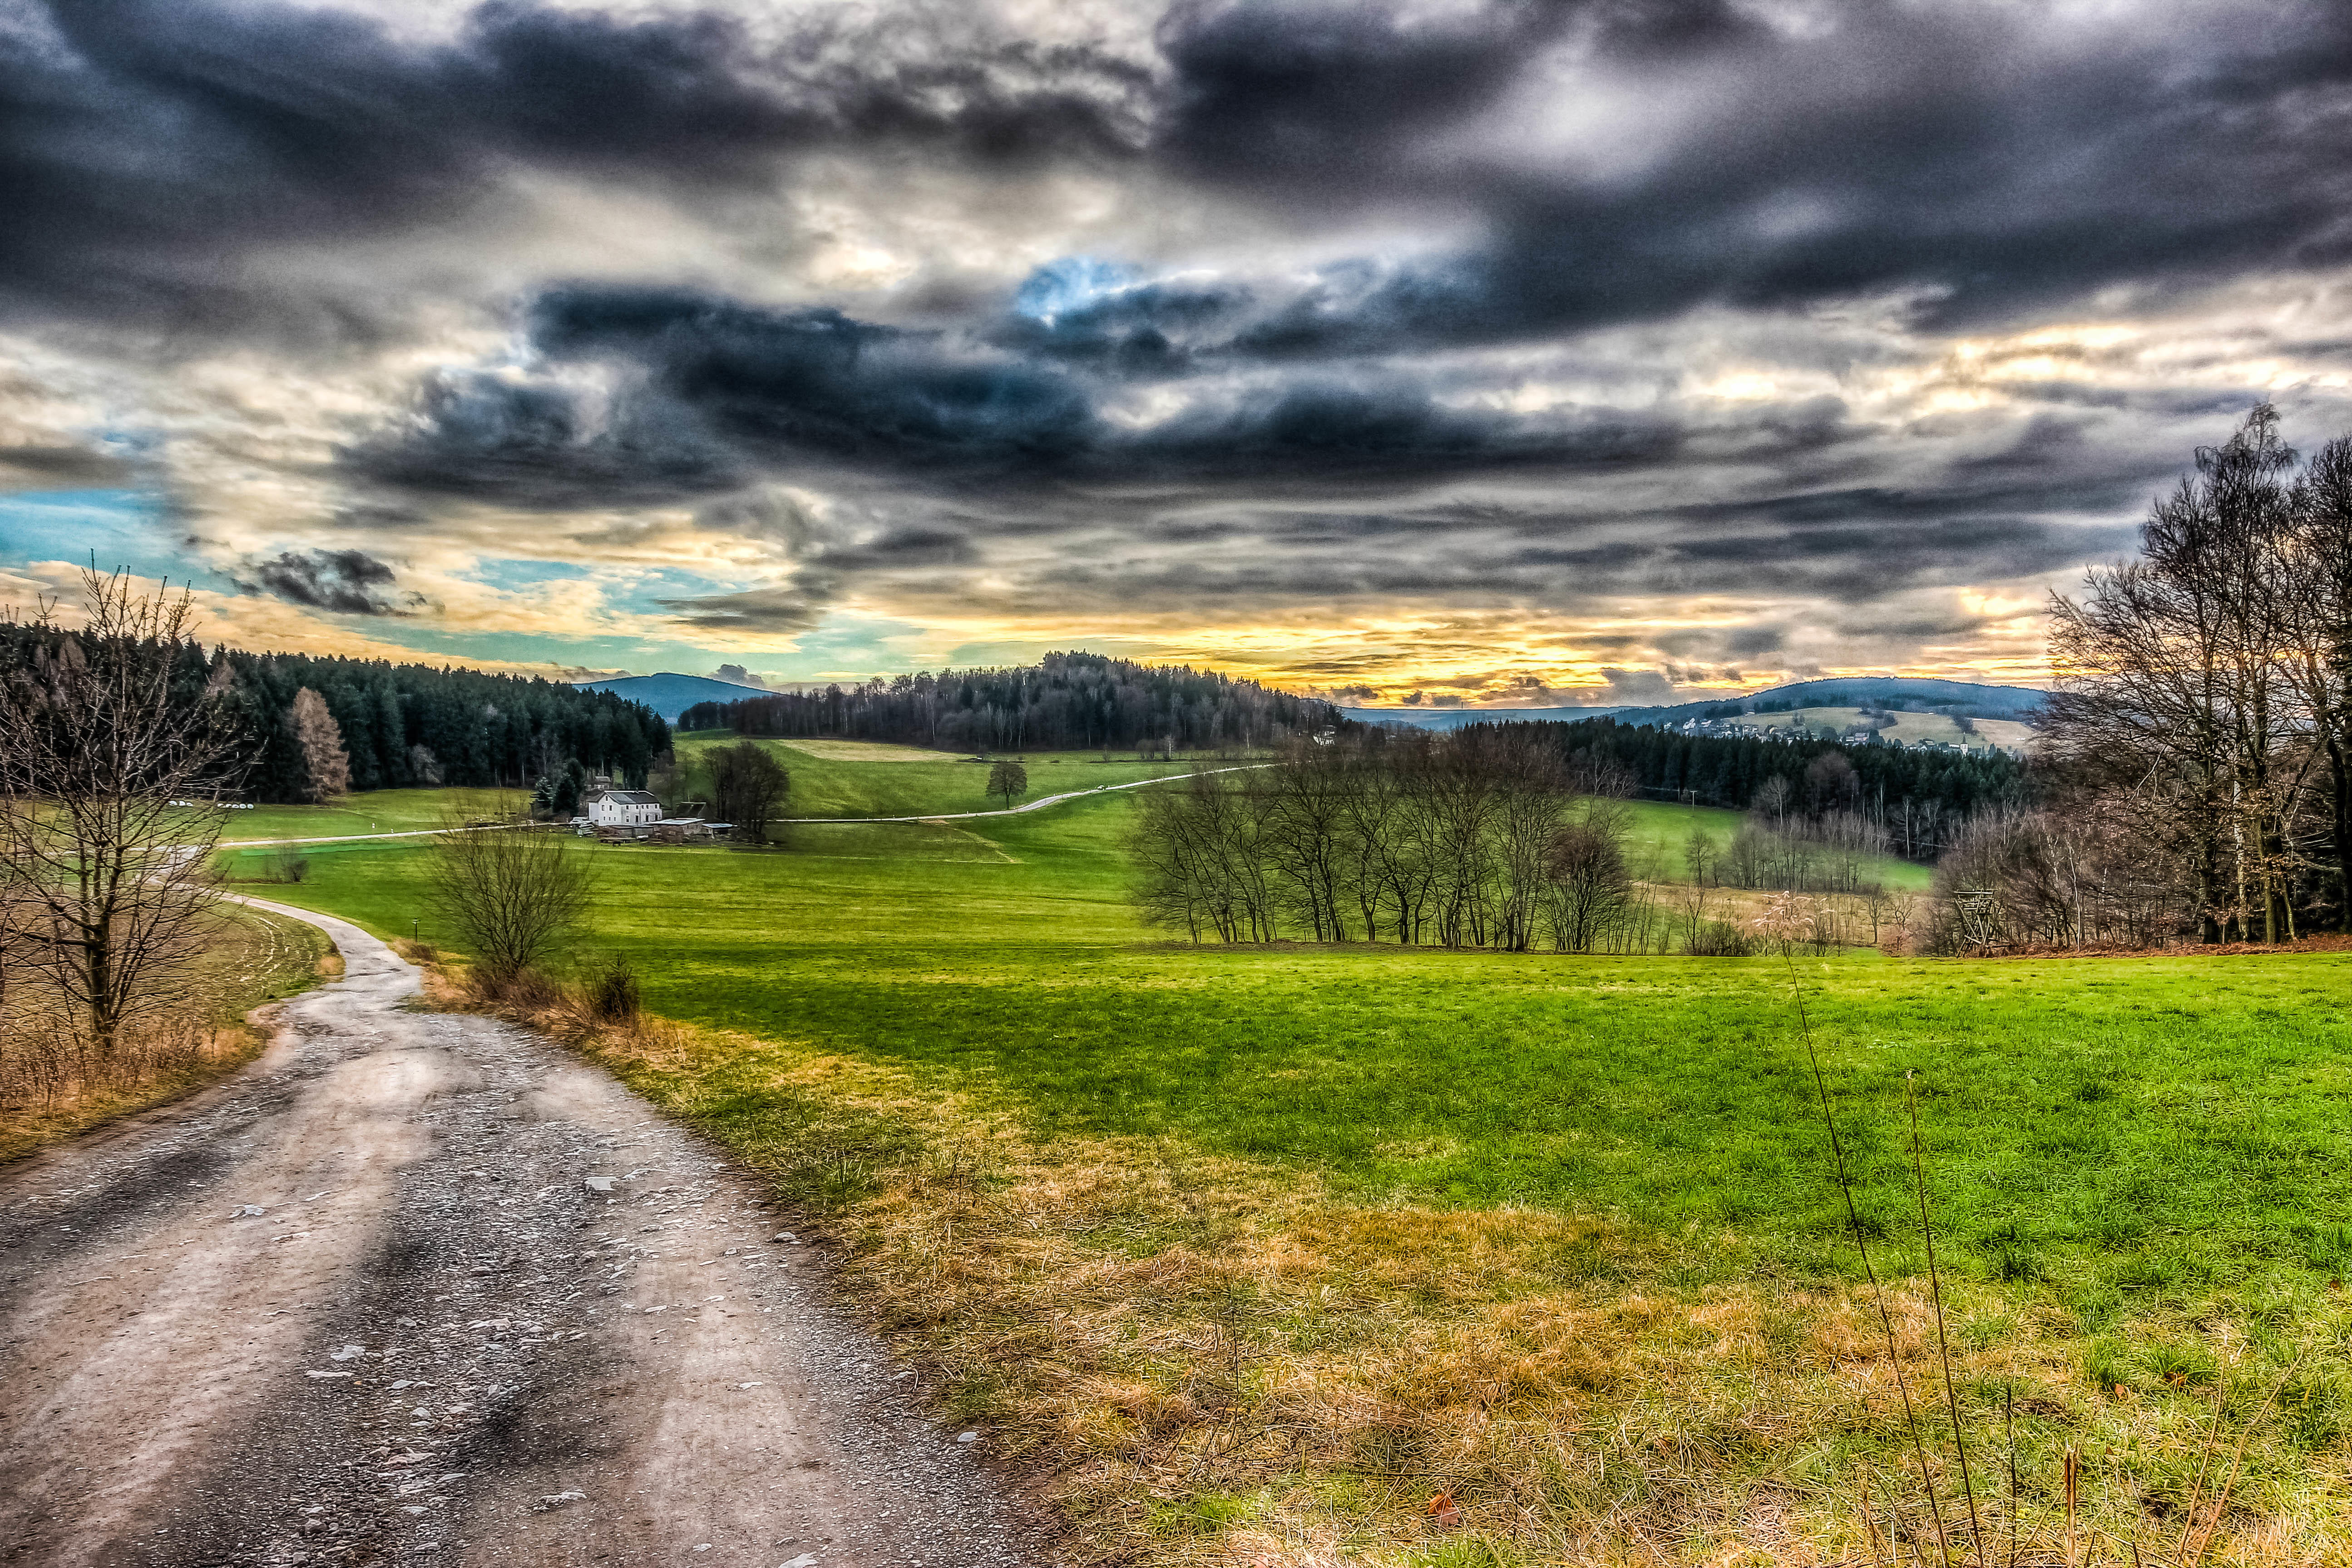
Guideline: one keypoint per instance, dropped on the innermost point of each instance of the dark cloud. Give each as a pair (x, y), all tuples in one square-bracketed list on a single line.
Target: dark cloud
[(1495, 412), (525, 443), (1984, 154), (345, 581), (60, 468), (1977, 153), (705, 391), (785, 609), (1637, 688), (146, 143)]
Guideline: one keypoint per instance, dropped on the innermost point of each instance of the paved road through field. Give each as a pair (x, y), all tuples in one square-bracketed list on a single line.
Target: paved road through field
[(420, 1289)]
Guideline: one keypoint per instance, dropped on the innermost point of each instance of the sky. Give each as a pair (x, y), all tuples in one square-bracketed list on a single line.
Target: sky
[(1502, 353)]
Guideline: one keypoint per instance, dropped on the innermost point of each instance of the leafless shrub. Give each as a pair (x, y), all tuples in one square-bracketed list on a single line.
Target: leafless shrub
[(2060, 878), (1588, 890), (611, 992), (1719, 939), (512, 894)]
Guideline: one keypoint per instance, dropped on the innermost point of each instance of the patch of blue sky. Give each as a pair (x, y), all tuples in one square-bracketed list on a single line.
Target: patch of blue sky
[(1070, 283), (509, 575), (127, 528), (644, 591)]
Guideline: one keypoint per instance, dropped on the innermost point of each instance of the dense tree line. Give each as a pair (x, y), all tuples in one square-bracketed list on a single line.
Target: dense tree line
[(410, 724), (1919, 798), (1078, 701), (373, 725), (2198, 742)]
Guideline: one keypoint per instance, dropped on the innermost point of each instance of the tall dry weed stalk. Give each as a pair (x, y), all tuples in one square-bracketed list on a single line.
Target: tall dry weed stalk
[(1936, 1294), (1842, 1171)]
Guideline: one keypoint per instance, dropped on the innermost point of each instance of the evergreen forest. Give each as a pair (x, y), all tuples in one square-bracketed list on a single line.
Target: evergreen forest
[(399, 726), (1077, 701)]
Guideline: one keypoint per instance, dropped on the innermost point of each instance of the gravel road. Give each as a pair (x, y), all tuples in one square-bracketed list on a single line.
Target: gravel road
[(420, 1289)]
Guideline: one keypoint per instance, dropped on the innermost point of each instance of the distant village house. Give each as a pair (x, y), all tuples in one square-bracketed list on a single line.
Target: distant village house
[(611, 808)]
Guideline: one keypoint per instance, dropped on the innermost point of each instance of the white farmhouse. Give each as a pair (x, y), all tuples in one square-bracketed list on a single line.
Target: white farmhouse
[(620, 808)]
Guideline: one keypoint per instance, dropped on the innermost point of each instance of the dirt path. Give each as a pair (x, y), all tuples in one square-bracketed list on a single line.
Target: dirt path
[(369, 1302)]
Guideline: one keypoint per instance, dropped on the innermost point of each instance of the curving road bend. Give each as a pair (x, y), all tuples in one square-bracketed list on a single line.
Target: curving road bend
[(420, 1289)]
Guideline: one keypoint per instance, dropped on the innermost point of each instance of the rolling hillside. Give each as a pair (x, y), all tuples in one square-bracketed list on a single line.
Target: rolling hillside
[(1898, 694), (1455, 717)]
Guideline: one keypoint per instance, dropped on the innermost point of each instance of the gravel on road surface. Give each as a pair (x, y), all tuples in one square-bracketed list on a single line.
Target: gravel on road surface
[(421, 1288)]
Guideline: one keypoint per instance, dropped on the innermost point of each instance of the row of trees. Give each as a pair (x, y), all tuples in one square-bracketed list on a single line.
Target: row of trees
[(1482, 838), (2197, 769), (1080, 701)]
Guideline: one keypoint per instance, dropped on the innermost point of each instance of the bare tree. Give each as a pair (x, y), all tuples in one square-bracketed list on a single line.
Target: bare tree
[(513, 896), (1007, 780), (326, 766), (1701, 854), (1878, 905), (107, 770), (2174, 689), (1204, 853), (1590, 889), (2318, 655), (747, 787)]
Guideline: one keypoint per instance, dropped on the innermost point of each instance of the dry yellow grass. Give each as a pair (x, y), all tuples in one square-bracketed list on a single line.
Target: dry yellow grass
[(51, 1091), (1210, 1362)]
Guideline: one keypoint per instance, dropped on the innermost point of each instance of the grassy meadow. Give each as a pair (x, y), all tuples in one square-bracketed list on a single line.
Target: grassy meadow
[(1254, 1252), (377, 811), (853, 778)]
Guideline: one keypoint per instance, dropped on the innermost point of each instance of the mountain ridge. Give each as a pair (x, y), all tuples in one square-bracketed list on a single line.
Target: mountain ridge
[(670, 694)]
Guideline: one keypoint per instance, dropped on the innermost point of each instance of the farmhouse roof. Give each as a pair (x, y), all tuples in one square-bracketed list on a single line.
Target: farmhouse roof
[(624, 797)]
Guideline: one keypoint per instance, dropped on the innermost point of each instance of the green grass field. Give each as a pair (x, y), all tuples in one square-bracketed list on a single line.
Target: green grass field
[(2141, 1169), (823, 786), (377, 811), (2091, 1106)]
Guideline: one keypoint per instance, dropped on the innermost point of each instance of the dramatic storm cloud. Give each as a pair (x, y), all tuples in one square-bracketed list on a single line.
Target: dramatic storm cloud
[(1523, 353)]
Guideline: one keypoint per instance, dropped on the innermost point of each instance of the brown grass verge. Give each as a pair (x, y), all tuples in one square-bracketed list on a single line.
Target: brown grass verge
[(152, 1074), (1209, 1361), (52, 1089)]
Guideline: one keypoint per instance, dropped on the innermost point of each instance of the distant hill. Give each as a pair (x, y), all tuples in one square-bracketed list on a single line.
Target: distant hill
[(1065, 700), (1455, 717), (1896, 693), (670, 695)]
